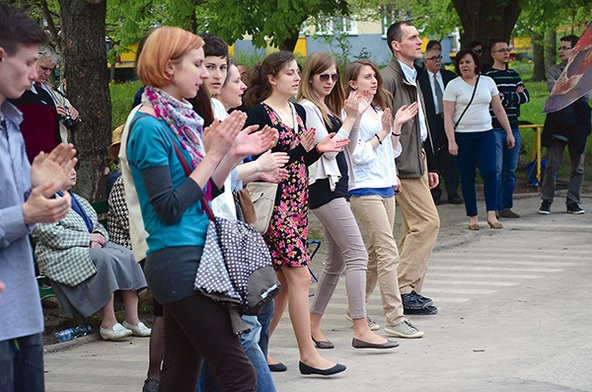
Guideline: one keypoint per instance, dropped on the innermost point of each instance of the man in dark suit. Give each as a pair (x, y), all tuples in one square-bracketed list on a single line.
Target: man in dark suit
[(432, 81)]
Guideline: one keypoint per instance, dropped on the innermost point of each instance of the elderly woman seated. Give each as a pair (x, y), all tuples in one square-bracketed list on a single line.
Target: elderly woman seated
[(85, 269)]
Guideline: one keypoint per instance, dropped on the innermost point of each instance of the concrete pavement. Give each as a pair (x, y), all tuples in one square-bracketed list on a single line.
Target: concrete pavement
[(513, 316)]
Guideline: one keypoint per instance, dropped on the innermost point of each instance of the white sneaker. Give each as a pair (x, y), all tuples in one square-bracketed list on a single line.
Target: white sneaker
[(116, 333), (404, 329), (138, 330), (371, 323)]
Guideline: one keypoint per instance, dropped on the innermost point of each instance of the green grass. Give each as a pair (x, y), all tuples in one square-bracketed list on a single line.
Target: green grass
[(122, 97)]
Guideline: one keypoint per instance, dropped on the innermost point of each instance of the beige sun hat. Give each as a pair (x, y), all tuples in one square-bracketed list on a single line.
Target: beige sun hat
[(115, 142)]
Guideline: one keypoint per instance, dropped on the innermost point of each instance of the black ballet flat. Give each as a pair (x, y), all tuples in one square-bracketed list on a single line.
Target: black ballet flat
[(307, 370), (322, 344), (357, 343), (277, 367)]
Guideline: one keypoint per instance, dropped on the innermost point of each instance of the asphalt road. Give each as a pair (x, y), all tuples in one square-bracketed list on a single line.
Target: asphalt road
[(513, 316)]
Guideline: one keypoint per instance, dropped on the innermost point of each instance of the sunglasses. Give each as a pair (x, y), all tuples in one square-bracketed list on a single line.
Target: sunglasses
[(435, 58), (478, 51), (325, 77)]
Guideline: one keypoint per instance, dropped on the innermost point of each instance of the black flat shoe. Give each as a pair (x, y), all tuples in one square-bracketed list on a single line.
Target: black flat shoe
[(277, 367), (357, 343), (322, 344), (307, 370)]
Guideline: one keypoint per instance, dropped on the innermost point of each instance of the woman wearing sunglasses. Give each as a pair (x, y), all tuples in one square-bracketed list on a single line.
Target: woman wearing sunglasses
[(322, 97)]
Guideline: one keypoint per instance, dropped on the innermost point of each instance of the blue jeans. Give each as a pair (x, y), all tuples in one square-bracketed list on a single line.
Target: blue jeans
[(507, 162), (477, 149), (264, 318), (250, 342), (21, 364)]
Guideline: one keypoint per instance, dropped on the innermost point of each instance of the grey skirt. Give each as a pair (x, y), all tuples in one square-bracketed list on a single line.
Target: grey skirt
[(116, 270)]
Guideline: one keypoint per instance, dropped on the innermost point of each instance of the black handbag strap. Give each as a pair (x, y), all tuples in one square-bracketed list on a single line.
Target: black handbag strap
[(469, 104)]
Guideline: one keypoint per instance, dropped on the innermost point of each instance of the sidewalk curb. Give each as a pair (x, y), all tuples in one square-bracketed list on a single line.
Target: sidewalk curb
[(57, 347)]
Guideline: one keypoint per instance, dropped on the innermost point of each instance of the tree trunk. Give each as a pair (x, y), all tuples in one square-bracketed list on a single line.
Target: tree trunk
[(550, 48), (290, 43), (85, 54), (483, 20), (538, 58)]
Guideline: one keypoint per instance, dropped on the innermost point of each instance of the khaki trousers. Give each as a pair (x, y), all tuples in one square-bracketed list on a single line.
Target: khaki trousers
[(419, 231), (377, 216)]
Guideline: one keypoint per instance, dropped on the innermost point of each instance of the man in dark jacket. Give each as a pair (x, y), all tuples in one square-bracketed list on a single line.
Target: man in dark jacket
[(568, 127), (432, 81), (417, 170)]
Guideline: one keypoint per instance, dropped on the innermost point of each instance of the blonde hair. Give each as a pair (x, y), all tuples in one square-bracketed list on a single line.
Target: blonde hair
[(164, 44), (316, 63)]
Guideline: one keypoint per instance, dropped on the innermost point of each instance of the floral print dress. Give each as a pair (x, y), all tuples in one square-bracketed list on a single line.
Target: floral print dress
[(287, 234)]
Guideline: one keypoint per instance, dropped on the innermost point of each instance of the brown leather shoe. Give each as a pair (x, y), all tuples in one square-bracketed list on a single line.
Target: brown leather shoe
[(508, 214), (474, 226)]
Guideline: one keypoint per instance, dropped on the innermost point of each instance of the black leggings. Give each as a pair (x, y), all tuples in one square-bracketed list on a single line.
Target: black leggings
[(197, 328)]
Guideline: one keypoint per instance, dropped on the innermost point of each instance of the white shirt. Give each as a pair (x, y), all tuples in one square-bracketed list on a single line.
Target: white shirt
[(411, 76), (438, 80), (223, 206), (368, 167), (477, 117)]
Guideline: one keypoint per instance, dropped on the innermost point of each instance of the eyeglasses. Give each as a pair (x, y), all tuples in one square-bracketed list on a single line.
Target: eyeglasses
[(502, 50), (478, 51), (325, 77), (47, 69), (565, 48), (435, 58)]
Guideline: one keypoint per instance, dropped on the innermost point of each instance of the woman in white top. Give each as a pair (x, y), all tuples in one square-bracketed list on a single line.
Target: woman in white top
[(372, 186), (323, 99), (470, 132)]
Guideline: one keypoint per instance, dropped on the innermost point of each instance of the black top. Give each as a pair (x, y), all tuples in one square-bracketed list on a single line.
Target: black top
[(320, 192)]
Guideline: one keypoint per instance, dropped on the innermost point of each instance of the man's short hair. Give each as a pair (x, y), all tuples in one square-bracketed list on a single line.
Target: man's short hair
[(495, 41), (474, 44), (46, 52), (395, 32), (432, 43), (427, 55), (17, 29), (214, 46), (573, 39)]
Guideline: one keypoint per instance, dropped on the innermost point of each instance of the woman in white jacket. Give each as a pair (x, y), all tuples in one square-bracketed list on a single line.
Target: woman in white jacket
[(322, 97), (372, 186)]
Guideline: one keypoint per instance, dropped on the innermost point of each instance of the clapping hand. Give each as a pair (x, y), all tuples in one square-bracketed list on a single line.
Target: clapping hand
[(248, 142), (274, 176), (307, 139), (387, 120), (270, 161), (53, 167), (331, 144), (406, 113), (219, 137)]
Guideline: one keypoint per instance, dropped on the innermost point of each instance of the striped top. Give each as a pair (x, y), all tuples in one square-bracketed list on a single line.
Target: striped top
[(507, 82)]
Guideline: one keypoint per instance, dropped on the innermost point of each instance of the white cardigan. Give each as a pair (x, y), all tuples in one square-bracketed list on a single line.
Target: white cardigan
[(326, 166)]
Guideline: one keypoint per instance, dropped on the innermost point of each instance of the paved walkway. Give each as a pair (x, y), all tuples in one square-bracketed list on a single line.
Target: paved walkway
[(513, 316)]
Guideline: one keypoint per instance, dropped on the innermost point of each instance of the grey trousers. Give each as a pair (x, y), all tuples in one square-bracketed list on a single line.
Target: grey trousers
[(345, 249), (576, 178)]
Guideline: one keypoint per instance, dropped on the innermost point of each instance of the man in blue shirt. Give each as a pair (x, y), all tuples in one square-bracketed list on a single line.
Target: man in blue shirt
[(25, 199)]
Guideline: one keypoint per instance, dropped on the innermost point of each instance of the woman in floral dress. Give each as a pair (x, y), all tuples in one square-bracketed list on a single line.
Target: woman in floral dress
[(272, 84)]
